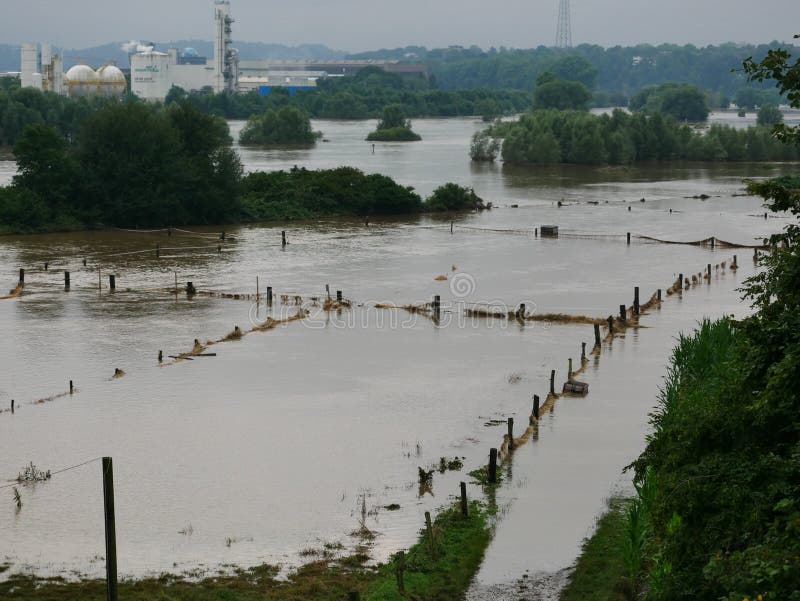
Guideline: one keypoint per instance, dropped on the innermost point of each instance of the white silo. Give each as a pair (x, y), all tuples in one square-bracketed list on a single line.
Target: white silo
[(150, 75), (30, 67)]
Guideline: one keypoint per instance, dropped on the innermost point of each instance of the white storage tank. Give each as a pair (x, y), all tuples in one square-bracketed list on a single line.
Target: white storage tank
[(112, 81), (80, 81), (150, 75)]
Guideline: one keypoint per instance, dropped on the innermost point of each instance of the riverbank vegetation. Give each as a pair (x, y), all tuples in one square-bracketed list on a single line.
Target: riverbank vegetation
[(138, 165), (393, 127), (440, 568), (716, 514), (620, 138), (285, 126)]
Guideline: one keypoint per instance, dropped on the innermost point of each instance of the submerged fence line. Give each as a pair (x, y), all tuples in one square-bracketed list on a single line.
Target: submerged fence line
[(628, 317)]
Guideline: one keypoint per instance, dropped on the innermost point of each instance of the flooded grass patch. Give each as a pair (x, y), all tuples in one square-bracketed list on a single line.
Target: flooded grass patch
[(437, 569), (599, 573)]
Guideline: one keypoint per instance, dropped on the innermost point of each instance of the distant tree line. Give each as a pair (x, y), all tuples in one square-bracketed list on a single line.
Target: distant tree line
[(550, 136), (363, 96), (619, 72)]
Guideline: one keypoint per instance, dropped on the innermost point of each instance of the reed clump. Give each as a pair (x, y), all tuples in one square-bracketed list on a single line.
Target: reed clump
[(236, 334), (564, 318), (14, 293)]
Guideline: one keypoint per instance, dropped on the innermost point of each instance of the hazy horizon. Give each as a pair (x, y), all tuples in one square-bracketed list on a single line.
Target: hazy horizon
[(357, 25)]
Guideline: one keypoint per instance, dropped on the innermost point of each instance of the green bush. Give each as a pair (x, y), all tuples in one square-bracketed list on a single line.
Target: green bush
[(286, 126), (452, 197)]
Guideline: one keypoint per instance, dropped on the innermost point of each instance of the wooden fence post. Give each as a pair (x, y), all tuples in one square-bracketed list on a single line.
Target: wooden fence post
[(569, 369), (401, 567), (583, 352), (283, 238), (536, 406), (269, 295), (112, 282), (623, 314), (597, 335), (552, 381), (21, 276), (111, 534), (510, 433), (492, 466), (66, 280), (629, 234), (636, 300), (429, 535), (611, 324), (464, 506)]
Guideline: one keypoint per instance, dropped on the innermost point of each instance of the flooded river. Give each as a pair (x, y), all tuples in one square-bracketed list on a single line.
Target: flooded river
[(272, 446)]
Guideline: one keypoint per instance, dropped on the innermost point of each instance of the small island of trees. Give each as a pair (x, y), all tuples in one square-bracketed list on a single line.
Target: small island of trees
[(287, 125), (393, 127)]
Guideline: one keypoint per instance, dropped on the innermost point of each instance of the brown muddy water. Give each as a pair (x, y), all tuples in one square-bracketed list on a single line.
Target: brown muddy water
[(267, 449)]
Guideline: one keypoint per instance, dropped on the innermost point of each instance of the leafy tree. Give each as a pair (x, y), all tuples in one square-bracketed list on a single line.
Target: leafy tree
[(575, 68), (393, 116), (452, 197), (393, 127), (46, 167), (484, 147), (287, 125), (769, 114), (680, 101), (562, 95)]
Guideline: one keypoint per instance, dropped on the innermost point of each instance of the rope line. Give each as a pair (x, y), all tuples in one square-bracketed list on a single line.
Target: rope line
[(53, 473)]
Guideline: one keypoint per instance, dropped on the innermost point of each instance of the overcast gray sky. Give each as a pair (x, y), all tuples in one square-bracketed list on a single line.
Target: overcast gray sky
[(368, 24)]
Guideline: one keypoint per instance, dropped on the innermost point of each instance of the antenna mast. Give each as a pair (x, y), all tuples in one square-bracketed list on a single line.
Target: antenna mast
[(564, 30)]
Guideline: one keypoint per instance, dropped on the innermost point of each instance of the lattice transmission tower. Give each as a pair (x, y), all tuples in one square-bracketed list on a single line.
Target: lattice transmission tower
[(564, 30)]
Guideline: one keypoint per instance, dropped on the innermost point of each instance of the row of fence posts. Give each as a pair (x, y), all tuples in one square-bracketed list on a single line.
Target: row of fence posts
[(108, 470)]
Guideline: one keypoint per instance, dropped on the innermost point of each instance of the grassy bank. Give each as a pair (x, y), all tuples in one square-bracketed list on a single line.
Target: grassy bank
[(600, 571), (441, 571)]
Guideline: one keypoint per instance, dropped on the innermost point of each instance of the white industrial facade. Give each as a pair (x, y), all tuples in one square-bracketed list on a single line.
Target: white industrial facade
[(153, 74)]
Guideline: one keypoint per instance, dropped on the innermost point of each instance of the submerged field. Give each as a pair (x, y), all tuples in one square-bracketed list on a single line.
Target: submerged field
[(273, 446)]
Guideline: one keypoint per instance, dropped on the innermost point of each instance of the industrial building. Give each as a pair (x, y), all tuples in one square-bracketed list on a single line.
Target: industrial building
[(153, 73)]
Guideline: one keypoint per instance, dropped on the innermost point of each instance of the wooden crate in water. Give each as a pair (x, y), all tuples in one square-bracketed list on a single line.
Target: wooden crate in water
[(575, 387)]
